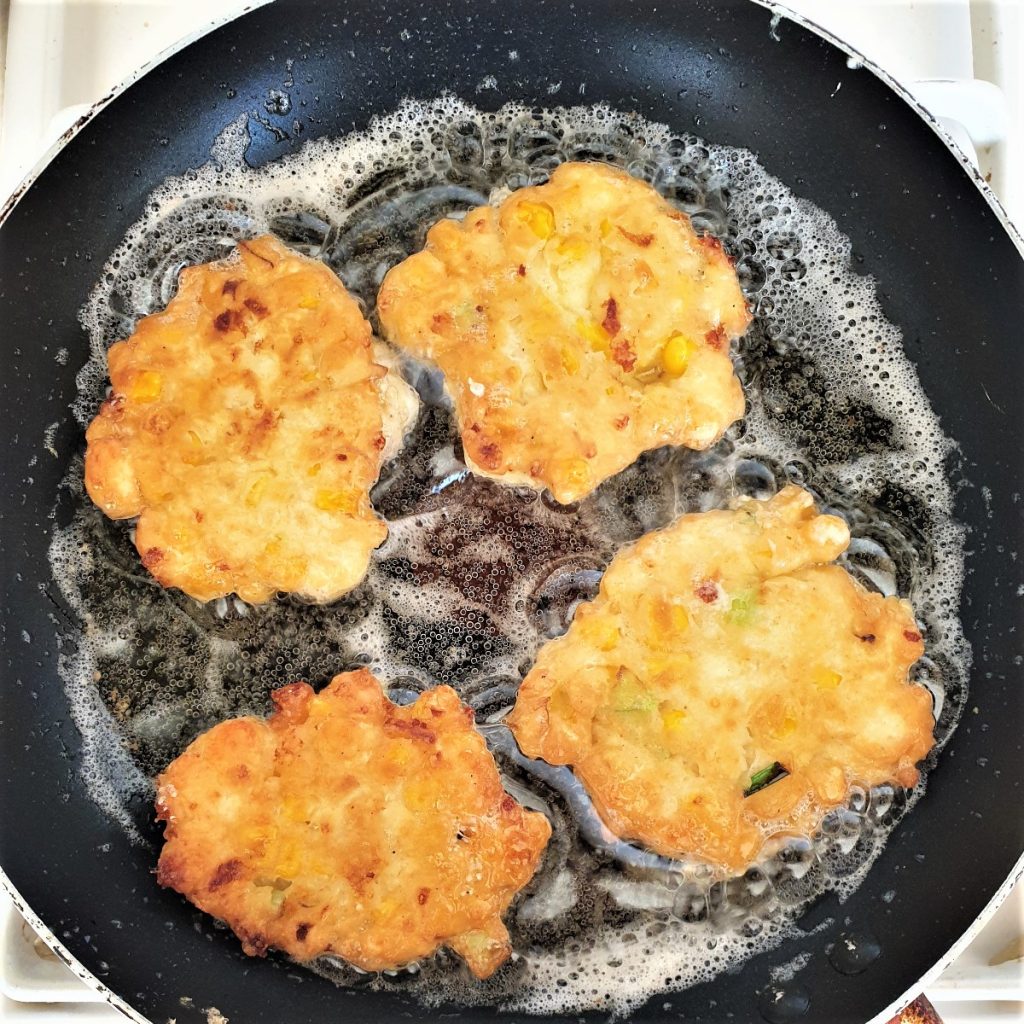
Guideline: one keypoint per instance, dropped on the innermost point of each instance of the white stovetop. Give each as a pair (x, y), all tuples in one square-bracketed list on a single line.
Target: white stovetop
[(63, 55)]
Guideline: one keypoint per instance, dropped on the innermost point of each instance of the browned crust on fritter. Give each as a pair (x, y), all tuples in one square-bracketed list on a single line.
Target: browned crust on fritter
[(244, 430), (550, 316), (345, 824), (715, 648)]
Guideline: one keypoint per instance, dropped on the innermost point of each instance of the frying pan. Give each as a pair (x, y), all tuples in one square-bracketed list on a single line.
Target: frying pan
[(950, 276)]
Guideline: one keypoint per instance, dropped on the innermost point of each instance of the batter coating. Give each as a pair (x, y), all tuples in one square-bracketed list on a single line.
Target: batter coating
[(578, 324), (246, 425), (720, 652), (345, 824)]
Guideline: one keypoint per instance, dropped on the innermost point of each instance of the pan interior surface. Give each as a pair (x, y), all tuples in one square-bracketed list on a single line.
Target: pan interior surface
[(475, 577), (572, 546)]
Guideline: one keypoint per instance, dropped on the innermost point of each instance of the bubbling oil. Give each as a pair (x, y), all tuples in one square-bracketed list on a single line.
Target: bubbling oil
[(474, 577)]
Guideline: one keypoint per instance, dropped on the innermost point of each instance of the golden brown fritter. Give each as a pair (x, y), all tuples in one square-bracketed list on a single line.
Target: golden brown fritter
[(716, 649), (578, 324), (246, 425), (345, 824)]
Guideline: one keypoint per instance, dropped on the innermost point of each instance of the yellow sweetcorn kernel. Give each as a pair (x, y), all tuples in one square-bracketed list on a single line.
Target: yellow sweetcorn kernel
[(678, 618), (399, 753), (593, 333), (603, 634), (576, 472), (673, 718), (675, 357), (336, 501), (420, 795), (308, 302), (290, 863), (295, 810), (787, 728), (826, 678), (570, 360), (146, 387), (538, 217), (252, 499), (313, 470), (572, 248)]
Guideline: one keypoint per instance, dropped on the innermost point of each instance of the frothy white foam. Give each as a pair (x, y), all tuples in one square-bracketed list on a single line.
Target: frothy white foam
[(473, 577)]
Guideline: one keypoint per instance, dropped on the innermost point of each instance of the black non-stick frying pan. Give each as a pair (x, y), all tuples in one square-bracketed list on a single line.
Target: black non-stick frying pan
[(950, 276)]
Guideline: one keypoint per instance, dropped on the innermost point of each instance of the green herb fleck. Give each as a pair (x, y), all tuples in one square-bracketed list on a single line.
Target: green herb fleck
[(765, 777), (743, 607)]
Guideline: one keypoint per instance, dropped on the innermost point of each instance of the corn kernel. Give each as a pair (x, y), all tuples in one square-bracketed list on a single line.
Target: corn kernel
[(196, 440), (673, 718), (570, 361), (572, 248), (538, 217), (419, 795), (290, 864), (146, 387), (308, 302), (336, 501), (313, 470), (679, 619), (576, 472), (676, 355), (603, 634), (826, 678), (595, 334), (606, 227), (252, 499), (787, 728), (399, 753), (658, 664)]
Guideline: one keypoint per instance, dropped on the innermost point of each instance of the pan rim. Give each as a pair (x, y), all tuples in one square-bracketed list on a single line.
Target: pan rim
[(777, 10), (866, 64)]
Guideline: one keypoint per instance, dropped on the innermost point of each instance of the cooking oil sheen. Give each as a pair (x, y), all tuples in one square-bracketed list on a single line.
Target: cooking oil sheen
[(475, 576)]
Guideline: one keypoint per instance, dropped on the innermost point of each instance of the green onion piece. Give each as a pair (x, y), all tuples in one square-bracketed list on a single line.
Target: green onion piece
[(765, 777), (743, 607)]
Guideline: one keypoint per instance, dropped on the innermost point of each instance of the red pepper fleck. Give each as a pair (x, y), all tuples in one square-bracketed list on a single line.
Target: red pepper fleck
[(508, 804), (642, 240), (522, 270), (226, 872), (422, 896), (710, 243), (151, 557), (302, 931), (707, 591), (611, 317), (911, 635), (623, 354), (413, 728), (715, 338), (256, 307), (489, 455), (622, 422)]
